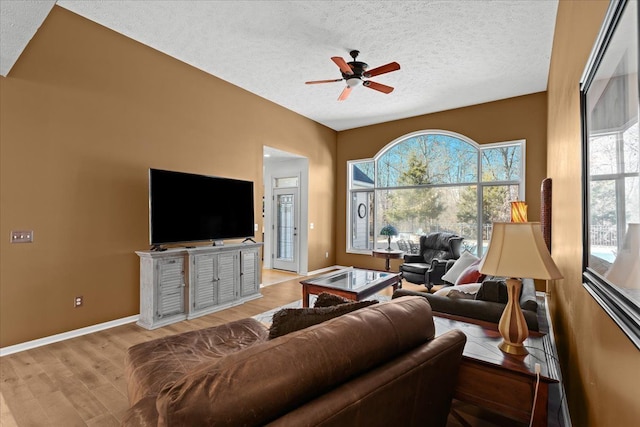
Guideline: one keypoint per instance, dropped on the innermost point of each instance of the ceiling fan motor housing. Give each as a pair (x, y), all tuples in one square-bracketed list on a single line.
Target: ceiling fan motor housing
[(358, 69)]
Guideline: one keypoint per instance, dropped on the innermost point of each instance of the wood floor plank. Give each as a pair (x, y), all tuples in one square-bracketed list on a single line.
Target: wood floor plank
[(104, 420), (81, 368), (60, 411), (6, 417), (101, 364), (14, 389), (101, 343), (26, 413), (113, 399), (82, 399)]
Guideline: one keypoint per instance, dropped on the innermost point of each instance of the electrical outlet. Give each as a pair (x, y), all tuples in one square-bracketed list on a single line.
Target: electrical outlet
[(326, 254), (24, 236), (77, 301)]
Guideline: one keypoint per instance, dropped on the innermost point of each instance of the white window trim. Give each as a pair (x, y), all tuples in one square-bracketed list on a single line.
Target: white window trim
[(480, 184)]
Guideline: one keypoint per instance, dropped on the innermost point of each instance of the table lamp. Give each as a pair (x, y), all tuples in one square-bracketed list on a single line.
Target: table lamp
[(517, 250), (519, 211), (388, 230)]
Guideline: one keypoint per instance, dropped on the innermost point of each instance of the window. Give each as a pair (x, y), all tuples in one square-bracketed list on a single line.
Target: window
[(433, 181)]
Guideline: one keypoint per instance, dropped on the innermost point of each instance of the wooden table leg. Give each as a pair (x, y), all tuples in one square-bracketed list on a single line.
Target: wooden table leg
[(305, 296)]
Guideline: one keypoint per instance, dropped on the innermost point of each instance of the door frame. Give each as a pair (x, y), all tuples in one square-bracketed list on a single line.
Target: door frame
[(283, 164)]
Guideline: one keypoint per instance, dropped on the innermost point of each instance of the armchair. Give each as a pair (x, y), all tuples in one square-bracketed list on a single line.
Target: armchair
[(438, 251)]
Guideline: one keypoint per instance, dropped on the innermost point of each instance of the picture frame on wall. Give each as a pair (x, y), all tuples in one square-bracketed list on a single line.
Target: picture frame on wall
[(609, 99)]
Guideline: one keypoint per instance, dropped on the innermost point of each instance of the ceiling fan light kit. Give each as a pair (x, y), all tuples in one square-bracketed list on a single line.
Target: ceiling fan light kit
[(353, 82), (353, 73)]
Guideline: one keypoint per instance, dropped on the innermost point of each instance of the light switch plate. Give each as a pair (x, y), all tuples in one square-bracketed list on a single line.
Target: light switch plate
[(23, 236)]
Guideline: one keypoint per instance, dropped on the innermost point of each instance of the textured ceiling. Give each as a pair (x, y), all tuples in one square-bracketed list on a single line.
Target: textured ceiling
[(19, 21), (453, 53)]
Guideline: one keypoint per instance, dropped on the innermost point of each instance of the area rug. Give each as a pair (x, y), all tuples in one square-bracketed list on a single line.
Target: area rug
[(267, 316)]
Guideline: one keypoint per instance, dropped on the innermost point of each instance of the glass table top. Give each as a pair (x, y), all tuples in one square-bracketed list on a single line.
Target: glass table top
[(352, 279)]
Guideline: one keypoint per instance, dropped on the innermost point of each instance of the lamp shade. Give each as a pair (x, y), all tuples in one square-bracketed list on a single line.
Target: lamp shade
[(389, 230), (517, 249)]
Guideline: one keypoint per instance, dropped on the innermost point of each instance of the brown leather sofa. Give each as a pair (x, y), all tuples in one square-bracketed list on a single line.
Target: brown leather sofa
[(375, 366)]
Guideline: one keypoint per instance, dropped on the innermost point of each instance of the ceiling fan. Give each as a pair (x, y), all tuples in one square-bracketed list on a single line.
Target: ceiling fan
[(355, 71)]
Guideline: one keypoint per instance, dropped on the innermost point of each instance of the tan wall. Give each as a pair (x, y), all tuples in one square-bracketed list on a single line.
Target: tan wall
[(523, 117), (85, 112), (601, 367)]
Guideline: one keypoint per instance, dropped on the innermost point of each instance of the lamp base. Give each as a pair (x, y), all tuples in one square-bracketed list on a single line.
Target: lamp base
[(513, 328), (511, 348)]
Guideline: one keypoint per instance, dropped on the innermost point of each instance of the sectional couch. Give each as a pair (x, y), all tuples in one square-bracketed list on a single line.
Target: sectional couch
[(486, 304)]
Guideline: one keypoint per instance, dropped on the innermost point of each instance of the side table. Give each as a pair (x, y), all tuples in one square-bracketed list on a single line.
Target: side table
[(498, 381), (387, 255)]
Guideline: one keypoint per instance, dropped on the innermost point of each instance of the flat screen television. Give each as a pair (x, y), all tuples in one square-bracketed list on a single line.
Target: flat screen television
[(185, 207)]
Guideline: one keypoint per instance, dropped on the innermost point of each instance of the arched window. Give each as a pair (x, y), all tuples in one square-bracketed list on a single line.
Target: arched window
[(433, 181)]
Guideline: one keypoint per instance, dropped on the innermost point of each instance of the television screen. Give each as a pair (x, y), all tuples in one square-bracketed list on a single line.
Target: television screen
[(186, 207)]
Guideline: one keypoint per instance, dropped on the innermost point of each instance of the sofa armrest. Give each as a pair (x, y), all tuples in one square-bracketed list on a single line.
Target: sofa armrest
[(528, 299), (438, 268)]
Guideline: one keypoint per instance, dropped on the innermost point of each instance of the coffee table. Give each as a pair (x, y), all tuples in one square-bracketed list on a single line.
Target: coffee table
[(352, 283), (499, 381)]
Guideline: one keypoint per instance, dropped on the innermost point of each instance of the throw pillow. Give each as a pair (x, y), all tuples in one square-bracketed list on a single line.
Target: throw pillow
[(471, 274), (493, 290), (467, 291), (292, 319), (326, 299), (465, 260)]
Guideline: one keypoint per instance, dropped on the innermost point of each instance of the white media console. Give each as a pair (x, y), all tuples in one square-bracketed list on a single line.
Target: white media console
[(184, 283)]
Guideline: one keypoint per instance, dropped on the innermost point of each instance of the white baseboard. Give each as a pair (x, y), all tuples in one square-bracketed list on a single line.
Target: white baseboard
[(324, 270), (310, 273), (5, 351)]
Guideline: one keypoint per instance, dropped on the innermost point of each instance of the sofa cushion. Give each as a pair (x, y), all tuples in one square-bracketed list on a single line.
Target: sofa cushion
[(175, 355), (293, 319), (257, 385), (415, 267), (465, 260), (471, 274), (493, 290), (528, 299), (325, 299)]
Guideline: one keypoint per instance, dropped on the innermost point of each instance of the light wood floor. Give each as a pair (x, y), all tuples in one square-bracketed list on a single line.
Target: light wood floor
[(80, 382)]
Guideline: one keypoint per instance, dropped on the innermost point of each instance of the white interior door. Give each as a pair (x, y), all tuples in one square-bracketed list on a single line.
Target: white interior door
[(285, 229)]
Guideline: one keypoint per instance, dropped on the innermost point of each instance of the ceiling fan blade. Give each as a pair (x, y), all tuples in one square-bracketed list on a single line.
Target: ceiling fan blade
[(314, 82), (345, 94), (387, 68), (377, 86), (344, 67)]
